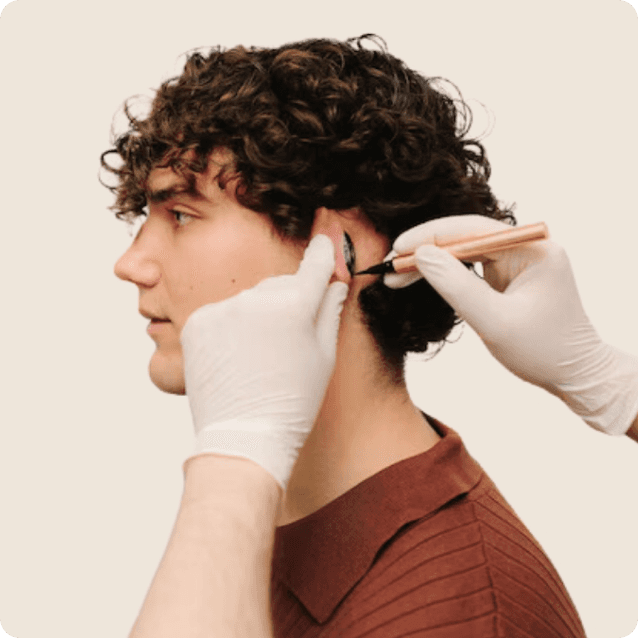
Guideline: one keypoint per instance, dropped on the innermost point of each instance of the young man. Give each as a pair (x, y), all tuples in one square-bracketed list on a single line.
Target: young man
[(386, 525)]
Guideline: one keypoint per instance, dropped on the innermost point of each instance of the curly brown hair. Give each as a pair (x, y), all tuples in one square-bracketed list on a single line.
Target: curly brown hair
[(322, 123)]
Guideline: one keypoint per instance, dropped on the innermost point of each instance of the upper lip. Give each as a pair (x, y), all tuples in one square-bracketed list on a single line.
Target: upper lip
[(151, 316)]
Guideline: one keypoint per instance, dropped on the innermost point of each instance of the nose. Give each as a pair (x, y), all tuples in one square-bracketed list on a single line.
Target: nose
[(137, 265)]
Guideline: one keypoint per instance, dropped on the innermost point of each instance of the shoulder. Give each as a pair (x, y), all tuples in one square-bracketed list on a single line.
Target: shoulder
[(471, 568)]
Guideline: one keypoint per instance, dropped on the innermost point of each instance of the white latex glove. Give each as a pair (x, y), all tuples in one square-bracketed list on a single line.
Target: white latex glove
[(528, 312), (257, 365)]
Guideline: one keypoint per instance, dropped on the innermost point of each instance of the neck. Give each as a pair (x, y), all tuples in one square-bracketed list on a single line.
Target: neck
[(365, 425)]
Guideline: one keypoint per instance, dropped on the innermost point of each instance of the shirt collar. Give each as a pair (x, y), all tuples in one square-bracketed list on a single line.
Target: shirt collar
[(314, 556)]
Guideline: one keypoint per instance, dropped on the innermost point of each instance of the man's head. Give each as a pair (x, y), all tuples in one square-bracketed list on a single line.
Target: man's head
[(265, 138)]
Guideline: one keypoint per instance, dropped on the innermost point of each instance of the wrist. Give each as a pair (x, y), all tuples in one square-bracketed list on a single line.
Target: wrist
[(261, 440), (606, 395), (233, 487)]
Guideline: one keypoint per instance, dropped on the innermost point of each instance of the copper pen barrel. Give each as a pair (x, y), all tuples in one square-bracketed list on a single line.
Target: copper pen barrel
[(473, 247)]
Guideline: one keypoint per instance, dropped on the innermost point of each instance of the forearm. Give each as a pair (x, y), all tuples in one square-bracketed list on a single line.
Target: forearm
[(214, 578)]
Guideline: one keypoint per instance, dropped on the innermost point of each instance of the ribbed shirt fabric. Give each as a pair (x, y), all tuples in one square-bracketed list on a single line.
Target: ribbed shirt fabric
[(426, 548)]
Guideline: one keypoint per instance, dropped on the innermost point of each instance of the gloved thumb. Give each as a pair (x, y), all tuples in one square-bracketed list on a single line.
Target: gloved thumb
[(329, 317), (473, 299)]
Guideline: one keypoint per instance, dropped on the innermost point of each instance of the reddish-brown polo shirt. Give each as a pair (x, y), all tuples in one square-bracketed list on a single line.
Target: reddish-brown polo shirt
[(428, 548)]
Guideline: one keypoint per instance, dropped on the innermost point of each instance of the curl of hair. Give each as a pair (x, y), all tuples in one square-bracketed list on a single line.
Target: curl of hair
[(322, 123)]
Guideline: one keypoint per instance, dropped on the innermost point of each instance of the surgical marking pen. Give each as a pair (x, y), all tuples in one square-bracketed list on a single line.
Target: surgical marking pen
[(466, 248)]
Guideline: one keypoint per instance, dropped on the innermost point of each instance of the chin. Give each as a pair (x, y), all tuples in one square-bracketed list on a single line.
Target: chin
[(167, 373)]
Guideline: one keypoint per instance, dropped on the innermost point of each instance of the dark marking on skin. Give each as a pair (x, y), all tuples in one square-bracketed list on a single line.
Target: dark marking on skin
[(348, 253)]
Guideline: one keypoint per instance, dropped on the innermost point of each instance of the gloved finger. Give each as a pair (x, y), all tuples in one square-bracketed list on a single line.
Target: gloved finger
[(472, 298), (445, 228), (316, 269), (329, 317), (399, 280)]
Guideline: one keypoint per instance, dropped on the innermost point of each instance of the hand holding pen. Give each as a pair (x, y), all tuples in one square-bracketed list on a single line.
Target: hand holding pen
[(528, 312), (475, 246)]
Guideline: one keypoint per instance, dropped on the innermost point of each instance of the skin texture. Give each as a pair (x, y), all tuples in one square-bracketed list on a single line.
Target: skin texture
[(181, 263)]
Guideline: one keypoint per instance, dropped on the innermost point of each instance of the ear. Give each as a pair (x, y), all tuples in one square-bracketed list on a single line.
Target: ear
[(329, 222)]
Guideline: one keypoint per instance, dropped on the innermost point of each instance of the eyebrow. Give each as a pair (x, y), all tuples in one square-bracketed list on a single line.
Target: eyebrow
[(163, 194)]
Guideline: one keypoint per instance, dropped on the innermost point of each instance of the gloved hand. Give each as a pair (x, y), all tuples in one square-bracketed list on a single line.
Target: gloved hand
[(528, 312), (257, 365)]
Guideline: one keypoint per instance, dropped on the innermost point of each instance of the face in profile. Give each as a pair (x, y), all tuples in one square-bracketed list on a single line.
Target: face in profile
[(194, 249)]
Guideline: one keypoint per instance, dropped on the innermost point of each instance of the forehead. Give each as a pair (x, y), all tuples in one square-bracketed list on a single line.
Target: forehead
[(164, 183)]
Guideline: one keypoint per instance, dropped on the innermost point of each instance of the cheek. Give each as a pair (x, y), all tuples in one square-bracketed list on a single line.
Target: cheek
[(256, 253), (221, 270)]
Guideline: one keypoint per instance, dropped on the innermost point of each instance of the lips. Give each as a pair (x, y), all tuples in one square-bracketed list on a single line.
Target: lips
[(152, 316)]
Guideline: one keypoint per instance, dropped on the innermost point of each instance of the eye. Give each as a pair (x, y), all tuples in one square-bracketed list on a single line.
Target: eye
[(181, 218)]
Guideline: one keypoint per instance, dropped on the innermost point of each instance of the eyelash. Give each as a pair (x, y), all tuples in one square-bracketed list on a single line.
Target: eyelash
[(175, 213)]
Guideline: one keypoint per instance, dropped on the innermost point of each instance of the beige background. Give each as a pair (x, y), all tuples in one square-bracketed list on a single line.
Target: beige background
[(91, 451)]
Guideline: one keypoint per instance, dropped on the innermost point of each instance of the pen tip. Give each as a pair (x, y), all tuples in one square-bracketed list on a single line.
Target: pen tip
[(378, 269)]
